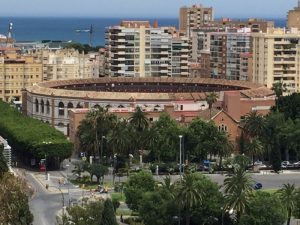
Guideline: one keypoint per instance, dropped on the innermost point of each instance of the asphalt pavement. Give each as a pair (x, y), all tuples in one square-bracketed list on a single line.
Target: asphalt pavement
[(46, 203)]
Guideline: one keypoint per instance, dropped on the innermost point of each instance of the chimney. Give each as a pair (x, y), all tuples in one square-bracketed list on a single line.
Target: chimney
[(155, 23)]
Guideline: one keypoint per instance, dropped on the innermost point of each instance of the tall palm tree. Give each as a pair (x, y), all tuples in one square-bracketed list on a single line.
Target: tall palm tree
[(211, 98), (120, 138), (139, 120), (254, 124), (254, 148), (278, 89), (238, 190), (188, 195), (288, 194), (225, 147)]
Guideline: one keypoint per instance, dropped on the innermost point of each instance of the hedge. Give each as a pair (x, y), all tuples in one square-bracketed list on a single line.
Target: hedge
[(30, 137)]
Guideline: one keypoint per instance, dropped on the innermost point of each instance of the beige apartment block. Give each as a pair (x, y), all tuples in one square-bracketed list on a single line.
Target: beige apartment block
[(294, 17), (17, 73), (193, 17), (68, 64), (276, 58)]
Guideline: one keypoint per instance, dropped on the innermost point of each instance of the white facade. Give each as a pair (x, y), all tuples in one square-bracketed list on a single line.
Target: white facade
[(138, 50), (7, 150)]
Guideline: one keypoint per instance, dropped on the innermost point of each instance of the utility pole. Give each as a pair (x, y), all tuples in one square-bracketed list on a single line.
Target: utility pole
[(180, 157)]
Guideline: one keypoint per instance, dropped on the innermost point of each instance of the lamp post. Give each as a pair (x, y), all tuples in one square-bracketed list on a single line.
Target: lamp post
[(180, 158), (68, 182), (46, 142), (102, 139)]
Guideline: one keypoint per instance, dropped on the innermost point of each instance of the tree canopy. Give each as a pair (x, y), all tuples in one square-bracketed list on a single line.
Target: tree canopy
[(30, 137)]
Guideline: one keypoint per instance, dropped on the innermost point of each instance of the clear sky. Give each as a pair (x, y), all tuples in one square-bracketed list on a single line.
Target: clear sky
[(142, 8)]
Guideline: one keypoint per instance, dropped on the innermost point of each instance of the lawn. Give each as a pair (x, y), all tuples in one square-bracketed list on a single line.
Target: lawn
[(89, 184), (118, 196), (270, 190)]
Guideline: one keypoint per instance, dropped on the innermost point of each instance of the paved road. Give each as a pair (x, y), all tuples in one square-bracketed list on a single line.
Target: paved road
[(268, 181), (43, 205)]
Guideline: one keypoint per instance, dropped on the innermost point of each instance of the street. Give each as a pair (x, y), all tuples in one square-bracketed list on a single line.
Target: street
[(46, 203)]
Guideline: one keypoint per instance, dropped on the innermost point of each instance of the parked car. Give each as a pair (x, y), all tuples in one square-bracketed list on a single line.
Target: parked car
[(257, 186), (296, 164), (286, 164)]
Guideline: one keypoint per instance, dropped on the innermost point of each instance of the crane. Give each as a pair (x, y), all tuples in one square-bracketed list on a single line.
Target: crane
[(91, 31)]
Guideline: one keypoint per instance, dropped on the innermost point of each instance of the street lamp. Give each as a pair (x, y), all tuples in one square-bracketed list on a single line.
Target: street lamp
[(180, 159), (46, 142), (102, 140)]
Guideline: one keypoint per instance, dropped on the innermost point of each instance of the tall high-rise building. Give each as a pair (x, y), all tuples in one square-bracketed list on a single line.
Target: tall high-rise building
[(193, 17), (293, 19), (225, 53), (276, 58), (136, 49)]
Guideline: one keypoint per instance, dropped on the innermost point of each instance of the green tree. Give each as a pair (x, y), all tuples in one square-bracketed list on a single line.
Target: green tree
[(90, 213), (202, 138), (238, 191), (108, 215), (14, 207), (120, 138), (136, 186), (98, 171), (188, 196), (3, 164), (288, 195), (296, 212), (139, 120), (278, 89), (264, 209), (140, 125), (225, 147), (97, 124), (210, 208), (165, 141), (156, 208), (289, 106), (211, 98), (254, 124), (254, 148)]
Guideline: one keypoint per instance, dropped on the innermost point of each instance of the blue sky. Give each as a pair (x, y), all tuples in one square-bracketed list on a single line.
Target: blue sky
[(142, 8)]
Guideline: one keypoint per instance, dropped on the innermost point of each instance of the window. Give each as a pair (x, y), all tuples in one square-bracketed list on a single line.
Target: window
[(36, 105), (70, 105), (42, 107), (47, 107), (61, 109), (223, 127)]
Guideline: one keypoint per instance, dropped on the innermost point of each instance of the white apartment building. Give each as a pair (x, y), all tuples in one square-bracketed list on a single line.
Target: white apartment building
[(135, 49), (276, 58)]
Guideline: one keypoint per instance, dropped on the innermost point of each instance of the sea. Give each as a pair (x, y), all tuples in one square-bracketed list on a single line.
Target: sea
[(64, 29)]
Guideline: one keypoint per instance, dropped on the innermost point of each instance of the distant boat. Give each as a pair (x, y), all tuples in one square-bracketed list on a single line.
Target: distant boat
[(84, 31)]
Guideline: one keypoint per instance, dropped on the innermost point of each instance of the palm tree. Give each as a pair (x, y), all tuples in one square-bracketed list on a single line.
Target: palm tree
[(211, 98), (120, 138), (254, 148), (238, 190), (139, 120), (188, 195), (225, 147), (288, 194), (254, 124)]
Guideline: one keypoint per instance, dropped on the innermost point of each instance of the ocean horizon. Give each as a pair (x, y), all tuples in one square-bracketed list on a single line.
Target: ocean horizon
[(64, 28)]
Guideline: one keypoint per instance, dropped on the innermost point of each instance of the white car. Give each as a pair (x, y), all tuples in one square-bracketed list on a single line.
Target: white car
[(286, 164), (296, 164)]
